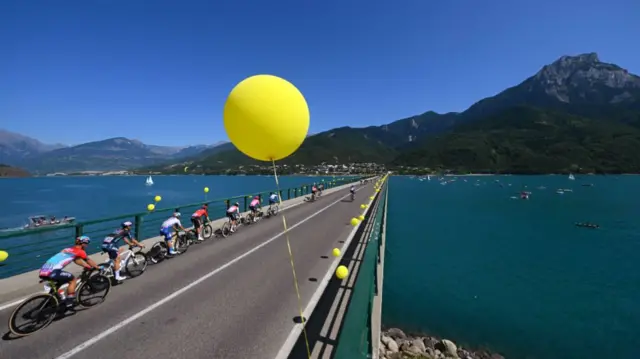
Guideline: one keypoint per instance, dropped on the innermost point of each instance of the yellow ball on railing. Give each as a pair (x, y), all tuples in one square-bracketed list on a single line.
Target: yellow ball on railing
[(342, 272), (157, 198), (363, 206), (151, 207), (371, 198), (3, 256), (336, 252), (354, 221), (206, 190), (361, 217)]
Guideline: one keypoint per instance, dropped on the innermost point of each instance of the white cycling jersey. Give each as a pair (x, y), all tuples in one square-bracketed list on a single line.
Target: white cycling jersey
[(169, 223)]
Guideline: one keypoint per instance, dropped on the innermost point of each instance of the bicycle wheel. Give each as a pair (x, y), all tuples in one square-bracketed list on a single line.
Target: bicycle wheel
[(43, 314), (225, 230), (274, 210), (136, 264), (207, 231), (96, 287), (158, 252), (181, 244)]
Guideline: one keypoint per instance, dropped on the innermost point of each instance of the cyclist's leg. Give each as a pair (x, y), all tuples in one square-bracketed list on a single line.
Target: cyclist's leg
[(61, 277)]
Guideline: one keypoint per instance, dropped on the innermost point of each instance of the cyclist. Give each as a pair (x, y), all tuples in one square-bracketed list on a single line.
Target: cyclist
[(53, 268), (167, 228), (111, 245), (254, 207), (353, 191), (314, 190), (233, 213), (197, 219), (273, 198), (320, 189)]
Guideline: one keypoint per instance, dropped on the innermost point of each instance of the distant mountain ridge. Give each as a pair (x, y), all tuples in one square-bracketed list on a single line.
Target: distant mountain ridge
[(118, 153)]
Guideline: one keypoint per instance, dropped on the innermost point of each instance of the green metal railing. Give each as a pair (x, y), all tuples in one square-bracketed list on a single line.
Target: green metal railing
[(354, 340), (28, 249)]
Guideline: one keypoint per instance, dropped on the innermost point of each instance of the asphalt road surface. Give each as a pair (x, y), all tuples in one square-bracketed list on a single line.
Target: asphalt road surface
[(231, 298)]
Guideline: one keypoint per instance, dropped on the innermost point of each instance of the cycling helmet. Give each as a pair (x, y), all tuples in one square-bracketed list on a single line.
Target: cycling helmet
[(205, 206), (83, 240), (237, 203), (256, 197), (126, 224), (176, 214)]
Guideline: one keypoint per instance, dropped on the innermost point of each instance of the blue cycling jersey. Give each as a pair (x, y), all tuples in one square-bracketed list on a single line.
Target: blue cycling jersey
[(116, 237)]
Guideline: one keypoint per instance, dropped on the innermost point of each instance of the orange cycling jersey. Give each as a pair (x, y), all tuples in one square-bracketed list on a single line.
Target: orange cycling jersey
[(200, 213)]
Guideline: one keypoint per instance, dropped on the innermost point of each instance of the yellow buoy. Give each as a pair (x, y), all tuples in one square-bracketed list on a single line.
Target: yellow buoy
[(266, 107), (361, 217), (371, 198), (354, 221), (363, 206), (342, 272), (151, 207), (206, 190), (157, 198), (3, 256), (336, 252)]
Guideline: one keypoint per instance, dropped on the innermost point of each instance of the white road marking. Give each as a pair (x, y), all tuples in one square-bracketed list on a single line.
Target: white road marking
[(175, 294)]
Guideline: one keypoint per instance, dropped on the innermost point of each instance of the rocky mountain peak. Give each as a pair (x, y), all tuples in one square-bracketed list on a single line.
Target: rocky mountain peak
[(573, 79)]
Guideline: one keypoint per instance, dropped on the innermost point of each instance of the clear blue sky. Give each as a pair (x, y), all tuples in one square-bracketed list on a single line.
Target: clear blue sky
[(79, 71)]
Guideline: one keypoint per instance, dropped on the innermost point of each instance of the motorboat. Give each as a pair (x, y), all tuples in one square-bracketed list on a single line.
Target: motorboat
[(41, 221)]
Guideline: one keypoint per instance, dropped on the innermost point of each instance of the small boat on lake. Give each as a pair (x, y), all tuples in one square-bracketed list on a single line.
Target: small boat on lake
[(41, 221), (149, 181), (587, 225)]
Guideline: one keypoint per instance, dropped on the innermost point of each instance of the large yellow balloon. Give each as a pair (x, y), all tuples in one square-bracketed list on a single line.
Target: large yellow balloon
[(151, 207), (3, 256), (266, 117), (157, 198)]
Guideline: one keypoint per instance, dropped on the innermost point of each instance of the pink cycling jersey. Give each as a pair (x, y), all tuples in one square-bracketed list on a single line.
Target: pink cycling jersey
[(255, 202), (62, 259)]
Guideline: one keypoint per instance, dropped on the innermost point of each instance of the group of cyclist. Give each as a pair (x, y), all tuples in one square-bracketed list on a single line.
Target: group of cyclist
[(233, 212), (53, 268)]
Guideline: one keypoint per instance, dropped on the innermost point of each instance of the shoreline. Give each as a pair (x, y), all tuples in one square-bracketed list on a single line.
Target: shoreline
[(396, 344)]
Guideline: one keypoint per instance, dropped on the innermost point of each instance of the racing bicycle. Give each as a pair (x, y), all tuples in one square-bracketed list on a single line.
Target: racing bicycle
[(42, 308), (272, 210), (181, 242), (134, 263)]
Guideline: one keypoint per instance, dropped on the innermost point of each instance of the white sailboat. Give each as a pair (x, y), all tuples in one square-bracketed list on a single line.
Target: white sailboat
[(571, 176), (149, 181)]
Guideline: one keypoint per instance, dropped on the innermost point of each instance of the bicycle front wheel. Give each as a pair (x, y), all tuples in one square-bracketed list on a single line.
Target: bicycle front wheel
[(93, 291), (136, 264), (39, 310), (226, 229)]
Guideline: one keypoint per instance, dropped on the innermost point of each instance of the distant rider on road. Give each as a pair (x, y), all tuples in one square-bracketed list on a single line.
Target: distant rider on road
[(233, 213), (197, 218), (111, 245), (167, 228)]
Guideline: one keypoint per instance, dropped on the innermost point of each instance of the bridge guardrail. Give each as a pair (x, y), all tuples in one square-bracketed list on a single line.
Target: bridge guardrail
[(355, 338), (28, 249)]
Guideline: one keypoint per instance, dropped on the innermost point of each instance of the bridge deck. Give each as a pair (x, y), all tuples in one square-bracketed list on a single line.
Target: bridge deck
[(232, 298)]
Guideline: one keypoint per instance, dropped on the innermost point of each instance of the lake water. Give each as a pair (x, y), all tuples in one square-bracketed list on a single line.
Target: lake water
[(91, 198), (470, 263)]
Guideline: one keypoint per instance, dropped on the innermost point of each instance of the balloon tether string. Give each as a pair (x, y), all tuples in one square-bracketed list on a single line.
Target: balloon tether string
[(303, 320)]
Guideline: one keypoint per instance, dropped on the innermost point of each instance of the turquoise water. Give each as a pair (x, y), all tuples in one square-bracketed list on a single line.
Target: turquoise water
[(91, 198), (468, 262)]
